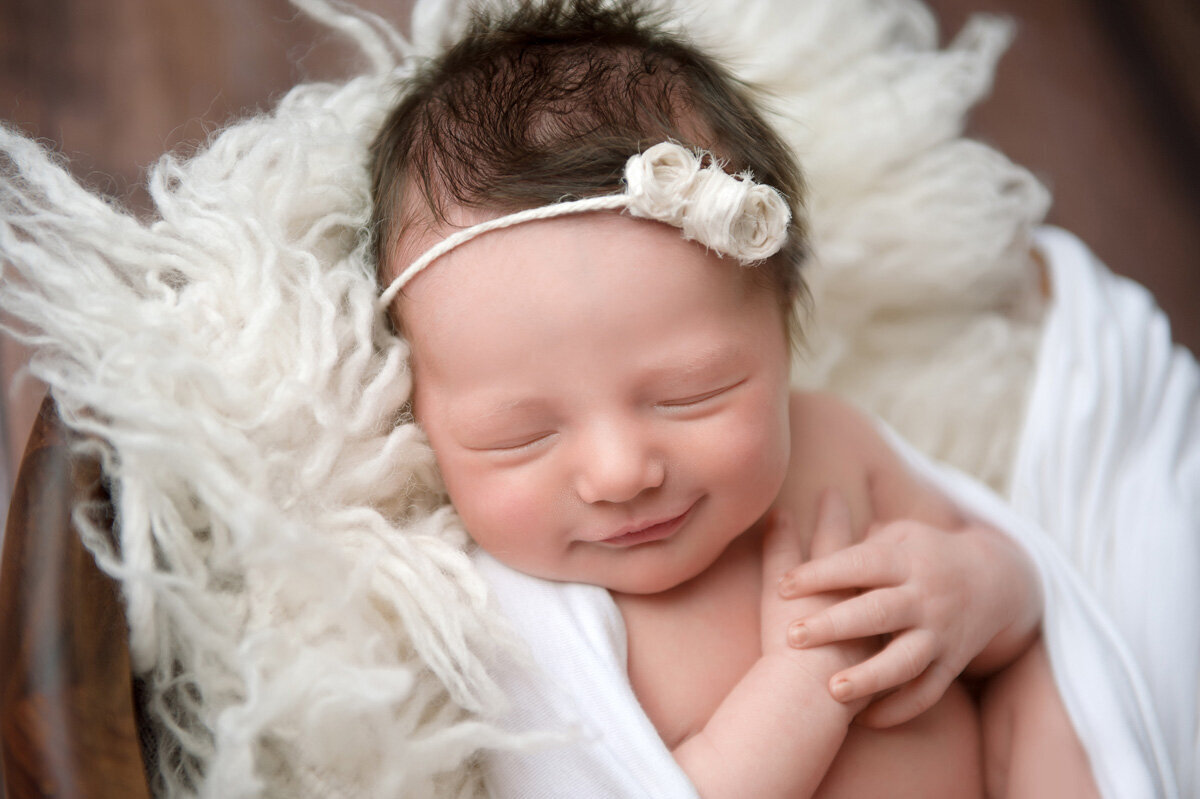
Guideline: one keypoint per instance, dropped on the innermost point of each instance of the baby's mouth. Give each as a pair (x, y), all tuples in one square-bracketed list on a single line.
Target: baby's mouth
[(644, 533)]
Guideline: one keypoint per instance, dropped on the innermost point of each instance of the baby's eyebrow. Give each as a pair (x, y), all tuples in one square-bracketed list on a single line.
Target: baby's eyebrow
[(697, 363), (473, 410)]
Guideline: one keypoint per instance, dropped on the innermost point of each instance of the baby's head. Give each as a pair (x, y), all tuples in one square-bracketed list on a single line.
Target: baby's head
[(548, 102), (607, 401)]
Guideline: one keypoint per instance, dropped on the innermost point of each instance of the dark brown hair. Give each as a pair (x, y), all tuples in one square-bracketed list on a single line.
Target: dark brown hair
[(546, 102)]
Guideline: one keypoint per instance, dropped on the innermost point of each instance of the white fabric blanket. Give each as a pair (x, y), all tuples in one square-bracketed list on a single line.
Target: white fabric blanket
[(1106, 449), (1108, 463)]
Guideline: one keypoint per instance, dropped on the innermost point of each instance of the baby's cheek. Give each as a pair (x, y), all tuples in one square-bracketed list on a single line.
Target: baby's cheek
[(501, 514), (754, 453), (515, 510)]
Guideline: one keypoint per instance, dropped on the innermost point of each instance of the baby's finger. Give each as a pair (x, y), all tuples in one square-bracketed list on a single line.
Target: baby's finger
[(833, 530), (862, 616), (781, 547), (863, 565), (912, 700), (906, 658)]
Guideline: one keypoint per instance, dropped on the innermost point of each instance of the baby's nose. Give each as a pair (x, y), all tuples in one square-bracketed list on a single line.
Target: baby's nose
[(616, 466)]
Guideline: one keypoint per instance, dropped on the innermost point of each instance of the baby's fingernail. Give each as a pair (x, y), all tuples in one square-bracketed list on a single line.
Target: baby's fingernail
[(840, 689), (797, 635), (787, 586)]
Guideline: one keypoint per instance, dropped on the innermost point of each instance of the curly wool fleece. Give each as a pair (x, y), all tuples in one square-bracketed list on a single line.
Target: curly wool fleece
[(301, 607)]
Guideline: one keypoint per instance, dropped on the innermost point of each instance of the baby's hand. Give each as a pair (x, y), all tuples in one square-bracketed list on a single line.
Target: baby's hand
[(782, 616), (942, 596)]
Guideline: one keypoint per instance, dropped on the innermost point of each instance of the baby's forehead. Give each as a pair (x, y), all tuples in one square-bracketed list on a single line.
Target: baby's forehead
[(584, 275)]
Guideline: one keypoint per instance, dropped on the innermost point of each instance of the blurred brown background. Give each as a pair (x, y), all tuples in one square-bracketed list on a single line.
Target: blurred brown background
[(1101, 98)]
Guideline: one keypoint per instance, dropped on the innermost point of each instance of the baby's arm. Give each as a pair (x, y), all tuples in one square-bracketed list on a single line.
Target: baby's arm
[(954, 594), (777, 732)]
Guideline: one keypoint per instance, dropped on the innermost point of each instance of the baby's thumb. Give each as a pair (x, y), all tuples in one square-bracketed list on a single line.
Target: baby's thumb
[(781, 549), (833, 530)]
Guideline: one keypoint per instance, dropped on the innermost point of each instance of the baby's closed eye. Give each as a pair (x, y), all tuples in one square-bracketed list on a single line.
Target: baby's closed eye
[(701, 399), (511, 443)]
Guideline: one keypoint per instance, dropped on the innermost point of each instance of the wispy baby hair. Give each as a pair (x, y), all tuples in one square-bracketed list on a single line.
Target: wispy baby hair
[(547, 100)]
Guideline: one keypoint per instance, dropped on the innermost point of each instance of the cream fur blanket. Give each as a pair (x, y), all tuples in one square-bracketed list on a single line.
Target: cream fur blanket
[(300, 600)]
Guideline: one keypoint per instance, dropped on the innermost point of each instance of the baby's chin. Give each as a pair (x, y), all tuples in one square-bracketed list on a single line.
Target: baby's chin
[(651, 572), (625, 575), (645, 586)]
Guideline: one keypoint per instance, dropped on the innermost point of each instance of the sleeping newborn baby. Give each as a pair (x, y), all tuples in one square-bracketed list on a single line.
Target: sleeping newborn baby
[(592, 241)]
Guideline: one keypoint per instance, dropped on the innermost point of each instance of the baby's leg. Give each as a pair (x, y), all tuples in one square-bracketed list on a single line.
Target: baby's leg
[(1030, 748)]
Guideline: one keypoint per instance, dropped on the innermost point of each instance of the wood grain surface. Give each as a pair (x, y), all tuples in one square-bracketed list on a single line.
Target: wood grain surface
[(67, 721)]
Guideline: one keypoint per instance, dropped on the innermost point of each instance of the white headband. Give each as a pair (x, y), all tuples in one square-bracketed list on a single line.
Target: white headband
[(730, 214)]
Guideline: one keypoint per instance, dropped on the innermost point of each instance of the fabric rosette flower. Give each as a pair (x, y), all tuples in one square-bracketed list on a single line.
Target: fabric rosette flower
[(659, 182), (760, 228), (730, 214), (736, 216)]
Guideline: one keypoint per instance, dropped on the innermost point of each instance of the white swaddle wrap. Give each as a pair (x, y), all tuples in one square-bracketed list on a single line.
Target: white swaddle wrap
[(1108, 464), (1140, 739)]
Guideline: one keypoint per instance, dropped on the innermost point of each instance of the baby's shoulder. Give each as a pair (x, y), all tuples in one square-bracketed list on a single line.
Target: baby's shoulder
[(814, 411), (828, 427), (833, 446)]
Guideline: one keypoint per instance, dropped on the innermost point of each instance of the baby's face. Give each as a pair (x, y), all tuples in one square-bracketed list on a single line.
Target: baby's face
[(608, 403)]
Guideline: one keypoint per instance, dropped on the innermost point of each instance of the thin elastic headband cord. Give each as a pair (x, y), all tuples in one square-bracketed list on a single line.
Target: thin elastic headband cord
[(730, 214)]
